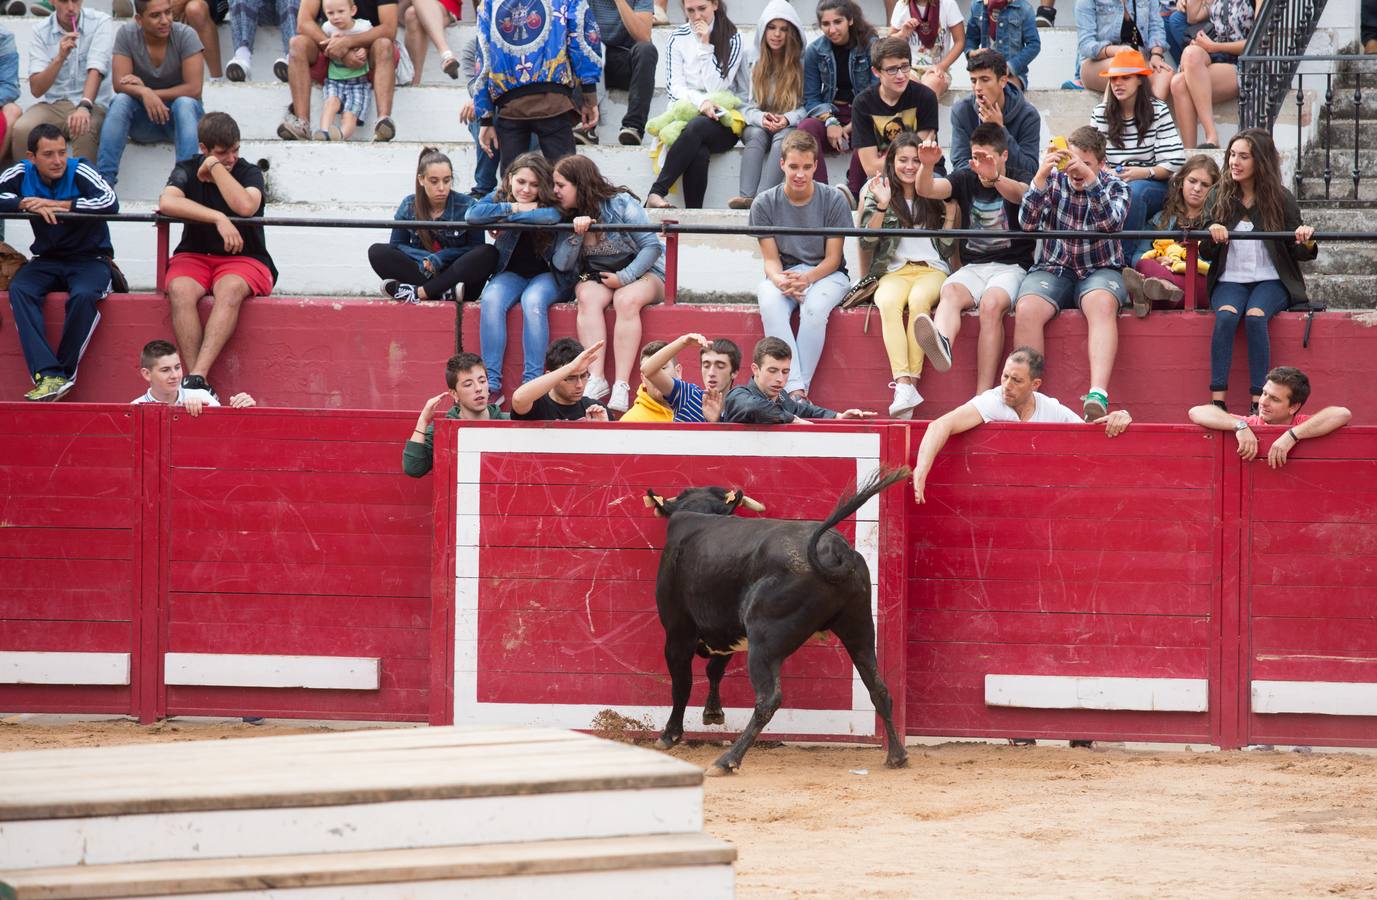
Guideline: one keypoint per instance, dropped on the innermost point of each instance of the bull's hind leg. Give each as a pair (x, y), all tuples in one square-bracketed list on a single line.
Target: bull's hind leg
[(857, 634), (712, 708), (764, 663), (679, 660)]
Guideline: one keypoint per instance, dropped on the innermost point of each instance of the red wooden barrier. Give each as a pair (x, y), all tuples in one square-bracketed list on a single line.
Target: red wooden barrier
[(556, 558), (1047, 554), (1309, 654)]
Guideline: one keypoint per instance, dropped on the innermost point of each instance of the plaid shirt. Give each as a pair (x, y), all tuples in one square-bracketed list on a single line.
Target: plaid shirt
[(1103, 206)]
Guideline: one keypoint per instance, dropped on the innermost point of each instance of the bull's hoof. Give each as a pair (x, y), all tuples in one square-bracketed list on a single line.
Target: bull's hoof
[(715, 717), (665, 743), (716, 771), (897, 762)]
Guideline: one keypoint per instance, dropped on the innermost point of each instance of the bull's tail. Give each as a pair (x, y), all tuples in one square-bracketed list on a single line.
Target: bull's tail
[(848, 504)]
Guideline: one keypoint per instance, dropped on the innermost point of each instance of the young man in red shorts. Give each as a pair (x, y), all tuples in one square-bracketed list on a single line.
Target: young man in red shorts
[(216, 257)]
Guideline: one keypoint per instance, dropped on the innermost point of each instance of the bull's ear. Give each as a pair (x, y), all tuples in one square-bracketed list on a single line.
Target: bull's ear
[(733, 499), (654, 501)]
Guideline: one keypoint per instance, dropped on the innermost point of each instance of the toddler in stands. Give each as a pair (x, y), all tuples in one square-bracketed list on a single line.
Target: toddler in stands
[(347, 91)]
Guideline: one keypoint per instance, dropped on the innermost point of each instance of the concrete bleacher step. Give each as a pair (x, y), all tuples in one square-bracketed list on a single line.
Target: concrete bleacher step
[(469, 812), (579, 869)]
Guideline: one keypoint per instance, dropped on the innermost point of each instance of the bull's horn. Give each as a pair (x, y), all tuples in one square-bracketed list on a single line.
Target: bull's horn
[(752, 505), (653, 501), (731, 496)]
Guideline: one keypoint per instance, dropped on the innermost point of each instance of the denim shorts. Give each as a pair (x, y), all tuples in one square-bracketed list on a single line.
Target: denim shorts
[(1066, 293)]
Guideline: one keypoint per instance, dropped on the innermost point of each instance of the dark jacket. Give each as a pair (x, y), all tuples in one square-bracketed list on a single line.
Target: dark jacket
[(746, 404), (1022, 125), (88, 192), (418, 458), (1285, 254)]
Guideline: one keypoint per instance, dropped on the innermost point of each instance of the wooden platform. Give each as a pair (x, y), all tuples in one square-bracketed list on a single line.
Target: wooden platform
[(437, 790)]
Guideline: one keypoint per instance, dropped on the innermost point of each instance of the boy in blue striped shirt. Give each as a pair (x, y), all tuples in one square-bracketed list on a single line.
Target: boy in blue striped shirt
[(721, 360)]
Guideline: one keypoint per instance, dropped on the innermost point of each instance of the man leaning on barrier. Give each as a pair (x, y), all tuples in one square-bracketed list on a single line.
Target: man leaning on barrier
[(1015, 400), (1283, 395), (467, 398), (71, 255)]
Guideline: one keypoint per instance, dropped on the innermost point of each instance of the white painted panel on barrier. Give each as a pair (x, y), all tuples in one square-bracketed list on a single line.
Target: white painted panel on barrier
[(40, 667), (1324, 698), (344, 673), (1075, 692)]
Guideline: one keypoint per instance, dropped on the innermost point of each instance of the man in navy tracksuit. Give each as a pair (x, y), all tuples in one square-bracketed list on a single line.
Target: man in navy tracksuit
[(71, 256)]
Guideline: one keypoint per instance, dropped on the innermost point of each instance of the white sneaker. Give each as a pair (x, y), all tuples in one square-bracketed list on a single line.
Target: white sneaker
[(597, 389), (621, 397), (238, 68), (906, 399)]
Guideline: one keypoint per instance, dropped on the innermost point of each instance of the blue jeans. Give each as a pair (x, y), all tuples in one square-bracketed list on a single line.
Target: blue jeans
[(1146, 198), (86, 281), (536, 295), (127, 119), (1176, 35), (1269, 296), (819, 300)]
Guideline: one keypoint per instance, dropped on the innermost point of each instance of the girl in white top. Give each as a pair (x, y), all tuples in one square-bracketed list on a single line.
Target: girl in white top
[(911, 269), (703, 57), (936, 33)]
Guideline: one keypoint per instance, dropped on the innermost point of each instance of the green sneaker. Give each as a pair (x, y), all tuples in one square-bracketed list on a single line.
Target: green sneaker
[(50, 387), (1096, 406)]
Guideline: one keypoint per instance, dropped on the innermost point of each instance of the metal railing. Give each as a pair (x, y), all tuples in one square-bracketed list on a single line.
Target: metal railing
[(1281, 31), (671, 231)]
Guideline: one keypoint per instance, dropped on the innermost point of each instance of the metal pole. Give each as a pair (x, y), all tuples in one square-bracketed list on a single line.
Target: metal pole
[(163, 230), (1192, 263), (671, 262)]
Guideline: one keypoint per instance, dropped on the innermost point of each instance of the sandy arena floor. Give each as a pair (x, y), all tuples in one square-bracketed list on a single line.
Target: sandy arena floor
[(976, 820)]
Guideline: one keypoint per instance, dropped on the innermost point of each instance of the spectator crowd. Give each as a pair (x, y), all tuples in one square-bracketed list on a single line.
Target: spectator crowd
[(535, 72)]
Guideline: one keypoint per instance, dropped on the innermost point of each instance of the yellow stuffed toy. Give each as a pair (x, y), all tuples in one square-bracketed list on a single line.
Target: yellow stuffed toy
[(668, 125), (1173, 256)]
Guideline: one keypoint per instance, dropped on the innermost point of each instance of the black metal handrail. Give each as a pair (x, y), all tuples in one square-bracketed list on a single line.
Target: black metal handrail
[(1281, 30)]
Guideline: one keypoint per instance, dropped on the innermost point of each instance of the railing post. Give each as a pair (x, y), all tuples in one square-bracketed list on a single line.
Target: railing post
[(163, 229), (671, 262), (1192, 263)]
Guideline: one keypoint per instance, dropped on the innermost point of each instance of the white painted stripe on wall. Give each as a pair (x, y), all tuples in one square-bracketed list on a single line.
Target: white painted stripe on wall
[(343, 673), (473, 442), (60, 667), (1076, 692), (1324, 698)]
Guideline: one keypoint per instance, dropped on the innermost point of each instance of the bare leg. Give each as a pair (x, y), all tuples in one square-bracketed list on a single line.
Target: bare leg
[(328, 110), (184, 294), (301, 55), (994, 306), (591, 300), (197, 14), (230, 291), (1031, 315), (415, 38), (628, 302), (1101, 311), (1184, 108), (347, 124), (384, 55)]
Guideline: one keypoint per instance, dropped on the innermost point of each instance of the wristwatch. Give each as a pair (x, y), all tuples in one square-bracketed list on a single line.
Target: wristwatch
[(1242, 425)]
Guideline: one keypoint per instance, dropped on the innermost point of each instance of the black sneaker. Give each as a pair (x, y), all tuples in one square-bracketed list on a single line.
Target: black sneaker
[(630, 137), (586, 137), (400, 291), (1082, 744), (933, 342), (199, 383), (1047, 17)]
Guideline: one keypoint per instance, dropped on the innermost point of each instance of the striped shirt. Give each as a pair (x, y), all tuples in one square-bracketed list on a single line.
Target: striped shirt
[(687, 402), (1161, 146), (1102, 206)]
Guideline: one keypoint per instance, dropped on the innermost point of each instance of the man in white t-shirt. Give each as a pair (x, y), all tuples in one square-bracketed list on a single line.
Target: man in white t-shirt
[(1015, 400), (161, 367)]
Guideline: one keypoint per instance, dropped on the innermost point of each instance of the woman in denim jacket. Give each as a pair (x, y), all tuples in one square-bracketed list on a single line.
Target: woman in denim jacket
[(430, 263), (620, 268), (829, 86), (525, 269), (1107, 27), (1014, 34)]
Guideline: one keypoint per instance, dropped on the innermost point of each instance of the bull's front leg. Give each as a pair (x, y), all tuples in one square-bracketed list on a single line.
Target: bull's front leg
[(679, 660), (712, 707), (764, 664)]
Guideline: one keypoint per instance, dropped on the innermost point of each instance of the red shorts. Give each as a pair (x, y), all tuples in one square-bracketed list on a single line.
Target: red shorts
[(322, 65), (206, 269)]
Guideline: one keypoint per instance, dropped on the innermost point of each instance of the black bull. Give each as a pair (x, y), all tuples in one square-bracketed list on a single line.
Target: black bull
[(766, 586)]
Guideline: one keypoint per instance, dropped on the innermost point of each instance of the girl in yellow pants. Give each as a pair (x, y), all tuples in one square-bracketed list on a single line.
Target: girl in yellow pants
[(911, 269)]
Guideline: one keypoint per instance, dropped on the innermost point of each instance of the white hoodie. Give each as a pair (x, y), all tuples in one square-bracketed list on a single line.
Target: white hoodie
[(775, 9)]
